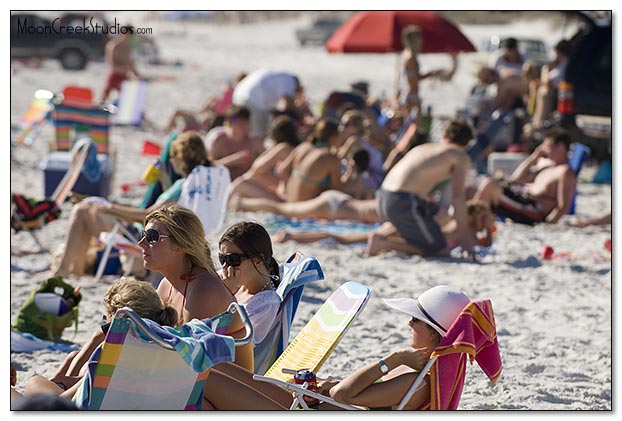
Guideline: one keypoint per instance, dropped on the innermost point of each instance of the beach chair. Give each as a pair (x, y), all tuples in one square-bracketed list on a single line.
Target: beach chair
[(131, 103), (31, 214), (204, 191), (144, 366), (319, 337), (35, 117), (76, 118), (473, 334), (295, 273)]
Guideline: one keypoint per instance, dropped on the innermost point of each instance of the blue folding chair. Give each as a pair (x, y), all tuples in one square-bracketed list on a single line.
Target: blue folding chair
[(580, 154)]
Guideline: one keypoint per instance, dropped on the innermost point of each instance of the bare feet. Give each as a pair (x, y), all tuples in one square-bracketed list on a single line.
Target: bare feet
[(375, 244)]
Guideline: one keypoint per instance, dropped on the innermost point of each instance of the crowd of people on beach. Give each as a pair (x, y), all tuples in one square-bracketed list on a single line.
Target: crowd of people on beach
[(355, 161)]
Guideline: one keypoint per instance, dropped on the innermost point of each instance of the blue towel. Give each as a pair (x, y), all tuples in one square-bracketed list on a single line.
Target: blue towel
[(26, 342), (91, 168), (334, 227)]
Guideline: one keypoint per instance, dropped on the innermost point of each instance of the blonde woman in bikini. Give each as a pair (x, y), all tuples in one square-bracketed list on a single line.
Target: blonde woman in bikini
[(174, 244)]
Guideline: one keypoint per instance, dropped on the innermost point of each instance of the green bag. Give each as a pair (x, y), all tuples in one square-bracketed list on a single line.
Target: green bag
[(45, 324)]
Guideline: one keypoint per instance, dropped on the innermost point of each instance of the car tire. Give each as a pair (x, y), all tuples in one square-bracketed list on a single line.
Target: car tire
[(72, 59)]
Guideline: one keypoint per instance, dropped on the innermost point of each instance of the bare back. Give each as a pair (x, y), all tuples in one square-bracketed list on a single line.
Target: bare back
[(119, 56), (426, 166), (314, 170), (545, 187)]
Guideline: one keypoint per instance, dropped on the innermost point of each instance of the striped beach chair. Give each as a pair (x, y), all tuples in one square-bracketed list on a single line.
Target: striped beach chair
[(131, 103), (144, 366), (317, 340), (35, 117), (87, 120)]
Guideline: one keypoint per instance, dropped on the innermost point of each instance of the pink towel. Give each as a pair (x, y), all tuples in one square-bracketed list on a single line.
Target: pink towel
[(474, 333)]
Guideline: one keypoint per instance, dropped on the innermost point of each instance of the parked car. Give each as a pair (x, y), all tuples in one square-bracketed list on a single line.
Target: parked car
[(531, 48), (34, 36), (319, 31), (584, 101)]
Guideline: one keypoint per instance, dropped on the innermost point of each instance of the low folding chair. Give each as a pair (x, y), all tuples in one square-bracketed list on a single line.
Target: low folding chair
[(31, 214), (35, 117), (144, 366), (473, 334), (319, 337), (580, 153), (131, 104)]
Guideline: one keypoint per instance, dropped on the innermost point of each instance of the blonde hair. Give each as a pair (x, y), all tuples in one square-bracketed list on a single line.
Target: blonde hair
[(142, 298), (190, 149), (186, 231)]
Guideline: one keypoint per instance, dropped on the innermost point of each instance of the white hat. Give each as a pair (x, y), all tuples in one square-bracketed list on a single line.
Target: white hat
[(439, 306)]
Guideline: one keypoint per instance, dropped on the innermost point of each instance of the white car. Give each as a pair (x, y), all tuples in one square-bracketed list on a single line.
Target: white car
[(531, 48)]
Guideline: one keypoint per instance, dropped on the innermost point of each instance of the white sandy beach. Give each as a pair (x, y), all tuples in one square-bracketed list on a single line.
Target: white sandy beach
[(554, 318)]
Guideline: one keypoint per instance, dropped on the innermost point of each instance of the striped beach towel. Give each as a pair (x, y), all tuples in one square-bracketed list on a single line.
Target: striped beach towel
[(315, 342), (473, 334), (131, 372)]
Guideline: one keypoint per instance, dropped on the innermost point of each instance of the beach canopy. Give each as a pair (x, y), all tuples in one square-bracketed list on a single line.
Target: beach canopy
[(380, 32)]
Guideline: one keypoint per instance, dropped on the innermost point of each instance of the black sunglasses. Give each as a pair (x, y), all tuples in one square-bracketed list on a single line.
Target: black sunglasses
[(232, 259), (105, 324), (153, 236)]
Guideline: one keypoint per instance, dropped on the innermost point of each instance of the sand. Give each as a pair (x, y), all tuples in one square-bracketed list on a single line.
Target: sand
[(554, 318)]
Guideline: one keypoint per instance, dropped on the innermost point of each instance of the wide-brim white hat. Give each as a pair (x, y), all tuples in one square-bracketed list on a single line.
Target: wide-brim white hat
[(439, 306)]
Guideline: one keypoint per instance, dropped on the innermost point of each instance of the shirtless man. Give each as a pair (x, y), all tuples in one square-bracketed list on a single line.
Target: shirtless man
[(232, 144), (119, 59), (540, 189), (403, 197)]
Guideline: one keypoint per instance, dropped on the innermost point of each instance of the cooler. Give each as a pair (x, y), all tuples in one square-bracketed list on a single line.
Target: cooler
[(56, 164), (505, 162)]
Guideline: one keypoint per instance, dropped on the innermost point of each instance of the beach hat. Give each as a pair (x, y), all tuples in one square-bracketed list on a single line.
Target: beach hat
[(438, 306)]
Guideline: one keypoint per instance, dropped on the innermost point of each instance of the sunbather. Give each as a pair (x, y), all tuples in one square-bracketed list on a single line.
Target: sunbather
[(174, 244), (479, 218), (541, 187), (138, 295), (432, 313), (261, 179), (313, 166), (250, 272), (95, 215)]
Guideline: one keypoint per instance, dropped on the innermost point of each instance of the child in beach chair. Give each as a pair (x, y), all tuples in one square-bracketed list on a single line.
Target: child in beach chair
[(429, 375)]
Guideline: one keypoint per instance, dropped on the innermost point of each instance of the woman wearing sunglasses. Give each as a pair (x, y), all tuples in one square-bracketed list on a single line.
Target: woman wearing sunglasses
[(130, 292), (95, 215), (250, 272), (174, 244)]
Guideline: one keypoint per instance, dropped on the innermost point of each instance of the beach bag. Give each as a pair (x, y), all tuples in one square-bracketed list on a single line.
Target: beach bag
[(49, 309)]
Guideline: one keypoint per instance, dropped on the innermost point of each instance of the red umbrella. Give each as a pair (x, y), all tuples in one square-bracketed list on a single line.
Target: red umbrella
[(380, 32)]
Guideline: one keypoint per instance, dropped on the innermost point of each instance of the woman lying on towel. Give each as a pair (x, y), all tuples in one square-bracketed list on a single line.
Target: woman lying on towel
[(130, 292), (479, 218), (95, 215), (174, 244), (381, 384), (250, 272)]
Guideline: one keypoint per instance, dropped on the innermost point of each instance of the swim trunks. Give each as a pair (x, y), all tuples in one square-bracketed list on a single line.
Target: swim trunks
[(413, 218), (518, 205), (114, 81)]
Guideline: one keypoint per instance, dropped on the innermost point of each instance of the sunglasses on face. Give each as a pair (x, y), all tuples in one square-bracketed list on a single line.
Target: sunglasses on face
[(232, 259), (153, 236)]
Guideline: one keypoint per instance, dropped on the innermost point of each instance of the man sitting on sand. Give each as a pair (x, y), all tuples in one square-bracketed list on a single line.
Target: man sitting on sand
[(540, 189), (403, 197), (233, 145)]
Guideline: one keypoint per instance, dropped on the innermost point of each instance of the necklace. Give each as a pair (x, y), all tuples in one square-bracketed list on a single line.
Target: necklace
[(269, 281)]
